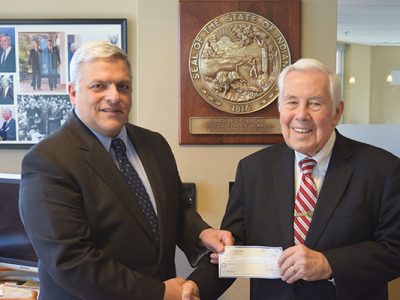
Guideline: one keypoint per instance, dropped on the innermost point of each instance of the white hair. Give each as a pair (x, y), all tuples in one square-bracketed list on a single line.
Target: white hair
[(91, 51), (308, 64)]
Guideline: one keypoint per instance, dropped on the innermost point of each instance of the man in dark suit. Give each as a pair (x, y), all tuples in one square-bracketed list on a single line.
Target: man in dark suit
[(52, 59), (8, 129), (84, 216), (352, 235), (7, 54), (6, 91), (34, 61)]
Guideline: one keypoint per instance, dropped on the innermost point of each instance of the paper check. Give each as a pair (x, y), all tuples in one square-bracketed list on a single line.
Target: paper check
[(250, 262)]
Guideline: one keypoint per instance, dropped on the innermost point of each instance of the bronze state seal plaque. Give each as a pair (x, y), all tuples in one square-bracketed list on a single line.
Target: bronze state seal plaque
[(235, 60), (231, 54)]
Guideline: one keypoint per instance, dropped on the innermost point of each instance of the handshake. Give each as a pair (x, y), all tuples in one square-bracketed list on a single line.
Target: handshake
[(215, 241), (181, 289)]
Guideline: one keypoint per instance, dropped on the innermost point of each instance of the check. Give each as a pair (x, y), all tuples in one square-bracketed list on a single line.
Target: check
[(250, 261)]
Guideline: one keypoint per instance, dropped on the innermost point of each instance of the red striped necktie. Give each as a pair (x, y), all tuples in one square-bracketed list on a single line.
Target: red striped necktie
[(306, 199)]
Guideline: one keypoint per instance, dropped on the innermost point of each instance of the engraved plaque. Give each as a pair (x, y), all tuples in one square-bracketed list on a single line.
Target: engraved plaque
[(235, 60), (231, 53), (234, 126)]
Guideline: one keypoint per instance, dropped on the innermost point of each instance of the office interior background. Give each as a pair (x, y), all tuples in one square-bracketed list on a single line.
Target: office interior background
[(153, 48)]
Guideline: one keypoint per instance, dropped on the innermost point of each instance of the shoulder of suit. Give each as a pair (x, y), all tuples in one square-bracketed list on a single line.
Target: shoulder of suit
[(141, 130), (363, 151), (146, 136), (271, 152)]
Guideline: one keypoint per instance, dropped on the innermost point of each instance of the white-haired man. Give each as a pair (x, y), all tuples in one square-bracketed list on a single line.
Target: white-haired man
[(332, 203)]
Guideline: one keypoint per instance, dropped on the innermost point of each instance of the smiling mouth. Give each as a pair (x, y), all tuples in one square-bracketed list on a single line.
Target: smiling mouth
[(301, 130), (111, 110)]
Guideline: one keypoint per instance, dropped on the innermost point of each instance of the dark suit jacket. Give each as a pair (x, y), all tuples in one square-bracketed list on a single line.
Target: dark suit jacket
[(356, 222), (34, 60), (8, 98), (9, 64), (52, 58), (9, 132), (91, 237)]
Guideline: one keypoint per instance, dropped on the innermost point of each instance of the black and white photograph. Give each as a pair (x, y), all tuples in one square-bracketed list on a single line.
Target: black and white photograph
[(41, 115)]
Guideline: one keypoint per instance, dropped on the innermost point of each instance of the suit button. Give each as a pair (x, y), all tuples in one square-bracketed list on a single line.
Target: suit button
[(95, 254)]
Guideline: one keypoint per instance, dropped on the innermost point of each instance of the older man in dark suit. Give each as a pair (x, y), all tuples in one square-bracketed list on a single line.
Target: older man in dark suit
[(102, 200), (7, 54), (6, 91), (8, 128), (34, 61), (332, 204), (52, 60)]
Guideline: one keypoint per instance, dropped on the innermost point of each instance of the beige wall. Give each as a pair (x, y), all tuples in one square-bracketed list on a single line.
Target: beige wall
[(371, 100), (385, 104), (357, 96), (153, 48)]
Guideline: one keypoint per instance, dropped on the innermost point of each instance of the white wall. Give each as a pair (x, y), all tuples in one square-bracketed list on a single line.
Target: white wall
[(380, 135)]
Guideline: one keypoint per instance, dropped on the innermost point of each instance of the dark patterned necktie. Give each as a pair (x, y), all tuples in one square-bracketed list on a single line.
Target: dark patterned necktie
[(306, 199), (135, 184)]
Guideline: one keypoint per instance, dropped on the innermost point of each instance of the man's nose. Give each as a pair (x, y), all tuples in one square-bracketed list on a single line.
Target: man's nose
[(112, 92), (302, 111)]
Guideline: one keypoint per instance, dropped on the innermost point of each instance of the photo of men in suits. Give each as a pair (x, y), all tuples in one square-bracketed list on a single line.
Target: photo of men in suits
[(8, 128), (102, 200), (41, 63), (42, 113), (6, 89), (331, 203), (7, 54)]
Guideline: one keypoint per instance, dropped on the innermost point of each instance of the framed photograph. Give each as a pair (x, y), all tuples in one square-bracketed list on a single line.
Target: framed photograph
[(34, 71)]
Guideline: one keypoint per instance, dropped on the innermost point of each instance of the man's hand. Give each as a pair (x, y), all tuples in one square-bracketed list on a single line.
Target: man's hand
[(190, 291), (299, 262), (215, 240), (173, 288)]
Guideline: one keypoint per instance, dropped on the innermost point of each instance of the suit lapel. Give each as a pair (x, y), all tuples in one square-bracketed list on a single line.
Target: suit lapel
[(283, 171), (337, 176), (108, 172)]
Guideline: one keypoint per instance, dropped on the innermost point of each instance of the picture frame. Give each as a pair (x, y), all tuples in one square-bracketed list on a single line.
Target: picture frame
[(34, 71)]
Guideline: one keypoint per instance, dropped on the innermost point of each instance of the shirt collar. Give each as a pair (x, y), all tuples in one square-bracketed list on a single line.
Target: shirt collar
[(105, 140), (7, 50), (322, 157)]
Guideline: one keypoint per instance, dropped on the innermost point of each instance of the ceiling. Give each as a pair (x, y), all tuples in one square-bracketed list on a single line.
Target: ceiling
[(369, 22)]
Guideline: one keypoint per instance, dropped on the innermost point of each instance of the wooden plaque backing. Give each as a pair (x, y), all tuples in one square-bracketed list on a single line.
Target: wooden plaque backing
[(193, 16)]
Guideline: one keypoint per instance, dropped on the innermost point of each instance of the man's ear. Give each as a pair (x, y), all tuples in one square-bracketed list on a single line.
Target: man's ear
[(338, 113), (72, 94)]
